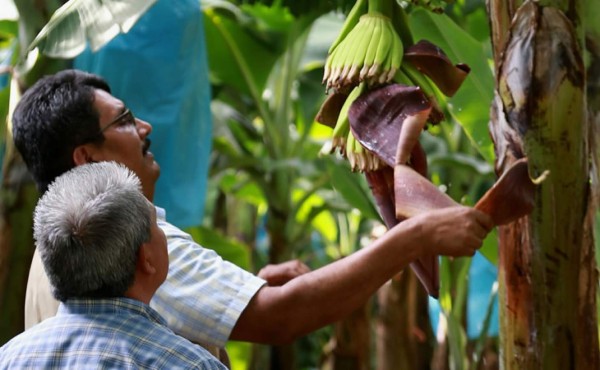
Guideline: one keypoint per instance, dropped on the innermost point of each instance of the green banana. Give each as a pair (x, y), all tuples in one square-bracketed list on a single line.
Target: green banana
[(359, 8), (342, 125), (397, 55), (383, 55), (419, 79), (359, 59), (364, 53), (378, 36)]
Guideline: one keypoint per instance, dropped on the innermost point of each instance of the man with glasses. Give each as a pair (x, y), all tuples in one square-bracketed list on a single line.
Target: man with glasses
[(70, 119), (105, 257)]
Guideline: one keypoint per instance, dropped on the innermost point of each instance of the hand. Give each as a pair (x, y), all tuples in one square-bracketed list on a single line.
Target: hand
[(279, 274), (455, 231)]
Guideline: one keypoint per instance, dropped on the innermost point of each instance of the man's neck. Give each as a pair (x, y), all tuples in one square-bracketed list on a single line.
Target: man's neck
[(140, 293)]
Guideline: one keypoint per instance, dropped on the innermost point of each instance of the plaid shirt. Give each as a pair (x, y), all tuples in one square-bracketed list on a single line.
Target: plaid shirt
[(116, 333)]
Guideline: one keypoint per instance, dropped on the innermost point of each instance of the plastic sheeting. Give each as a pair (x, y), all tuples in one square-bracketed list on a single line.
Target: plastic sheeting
[(482, 276), (159, 69)]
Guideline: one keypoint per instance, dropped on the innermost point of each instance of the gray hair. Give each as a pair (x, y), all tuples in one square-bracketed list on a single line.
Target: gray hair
[(88, 228)]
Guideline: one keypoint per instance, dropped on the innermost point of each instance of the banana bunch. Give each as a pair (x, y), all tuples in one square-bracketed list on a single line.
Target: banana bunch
[(368, 49), (343, 140), (370, 52), (367, 52)]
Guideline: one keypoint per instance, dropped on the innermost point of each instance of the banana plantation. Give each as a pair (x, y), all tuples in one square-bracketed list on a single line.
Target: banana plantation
[(333, 121)]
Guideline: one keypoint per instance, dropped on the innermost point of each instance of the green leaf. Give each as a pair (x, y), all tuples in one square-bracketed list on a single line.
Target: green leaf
[(8, 29), (79, 21), (231, 42), (231, 250), (457, 341), (352, 187), (480, 342), (490, 247), (269, 18), (4, 99), (471, 104), (239, 185), (239, 354), (462, 161)]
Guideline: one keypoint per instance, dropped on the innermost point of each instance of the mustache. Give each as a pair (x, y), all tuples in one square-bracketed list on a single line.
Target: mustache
[(147, 143)]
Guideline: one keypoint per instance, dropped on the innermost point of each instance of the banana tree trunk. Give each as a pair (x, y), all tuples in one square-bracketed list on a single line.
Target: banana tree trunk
[(348, 348), (18, 198), (547, 273), (404, 335), (280, 250)]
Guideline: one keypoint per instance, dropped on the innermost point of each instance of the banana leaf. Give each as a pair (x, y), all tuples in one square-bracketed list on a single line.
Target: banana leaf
[(470, 105), (78, 22)]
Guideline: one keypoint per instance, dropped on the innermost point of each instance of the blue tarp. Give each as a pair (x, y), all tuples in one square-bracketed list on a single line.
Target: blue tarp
[(482, 276), (159, 69)]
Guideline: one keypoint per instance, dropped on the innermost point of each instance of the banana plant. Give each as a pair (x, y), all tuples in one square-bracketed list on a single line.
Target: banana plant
[(267, 147), (341, 75)]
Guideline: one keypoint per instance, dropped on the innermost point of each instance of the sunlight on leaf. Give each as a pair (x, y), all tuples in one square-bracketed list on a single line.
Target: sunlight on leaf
[(80, 21), (239, 354), (323, 222)]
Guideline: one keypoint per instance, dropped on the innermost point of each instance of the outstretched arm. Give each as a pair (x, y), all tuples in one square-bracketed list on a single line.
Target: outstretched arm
[(280, 314)]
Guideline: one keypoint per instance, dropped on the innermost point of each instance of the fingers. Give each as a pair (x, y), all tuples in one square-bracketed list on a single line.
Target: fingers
[(481, 224), (484, 220), (279, 274), (301, 268), (455, 231)]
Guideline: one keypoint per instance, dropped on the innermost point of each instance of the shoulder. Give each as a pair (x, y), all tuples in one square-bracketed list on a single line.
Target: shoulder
[(184, 250), (175, 351)]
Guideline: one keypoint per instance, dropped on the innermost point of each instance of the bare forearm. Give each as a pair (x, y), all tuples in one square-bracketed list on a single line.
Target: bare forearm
[(315, 299), (318, 298)]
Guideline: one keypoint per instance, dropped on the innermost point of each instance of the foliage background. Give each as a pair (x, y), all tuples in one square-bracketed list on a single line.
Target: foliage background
[(272, 196)]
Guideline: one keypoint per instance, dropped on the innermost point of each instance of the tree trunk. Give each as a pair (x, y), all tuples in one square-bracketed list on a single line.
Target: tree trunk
[(18, 198), (18, 195), (547, 273), (348, 348), (404, 335), (281, 357)]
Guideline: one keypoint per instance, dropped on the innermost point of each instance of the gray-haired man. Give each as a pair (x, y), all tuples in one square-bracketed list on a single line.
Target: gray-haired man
[(105, 256)]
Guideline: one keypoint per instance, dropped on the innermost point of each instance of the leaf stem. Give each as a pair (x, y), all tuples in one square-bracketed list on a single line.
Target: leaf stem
[(384, 7)]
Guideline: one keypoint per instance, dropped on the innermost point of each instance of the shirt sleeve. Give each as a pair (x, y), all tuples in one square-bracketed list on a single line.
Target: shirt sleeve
[(203, 296), (40, 304)]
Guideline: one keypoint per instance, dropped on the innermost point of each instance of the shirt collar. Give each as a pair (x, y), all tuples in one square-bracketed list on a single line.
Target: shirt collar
[(115, 305), (161, 214)]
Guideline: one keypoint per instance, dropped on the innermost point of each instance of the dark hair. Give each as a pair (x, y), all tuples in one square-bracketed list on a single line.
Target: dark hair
[(53, 117), (88, 228)]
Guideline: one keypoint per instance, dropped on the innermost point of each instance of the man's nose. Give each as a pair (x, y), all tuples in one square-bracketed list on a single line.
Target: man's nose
[(144, 128)]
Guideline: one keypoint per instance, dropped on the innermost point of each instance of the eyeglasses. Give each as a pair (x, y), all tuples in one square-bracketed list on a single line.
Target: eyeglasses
[(124, 119)]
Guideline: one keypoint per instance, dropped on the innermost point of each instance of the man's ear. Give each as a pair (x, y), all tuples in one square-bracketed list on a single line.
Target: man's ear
[(82, 155), (145, 262)]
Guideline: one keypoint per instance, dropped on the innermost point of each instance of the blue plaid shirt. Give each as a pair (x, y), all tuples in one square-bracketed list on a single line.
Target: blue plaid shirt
[(201, 300), (118, 333)]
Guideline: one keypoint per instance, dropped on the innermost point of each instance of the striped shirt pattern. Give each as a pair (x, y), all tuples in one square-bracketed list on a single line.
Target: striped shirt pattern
[(114, 333), (203, 296)]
